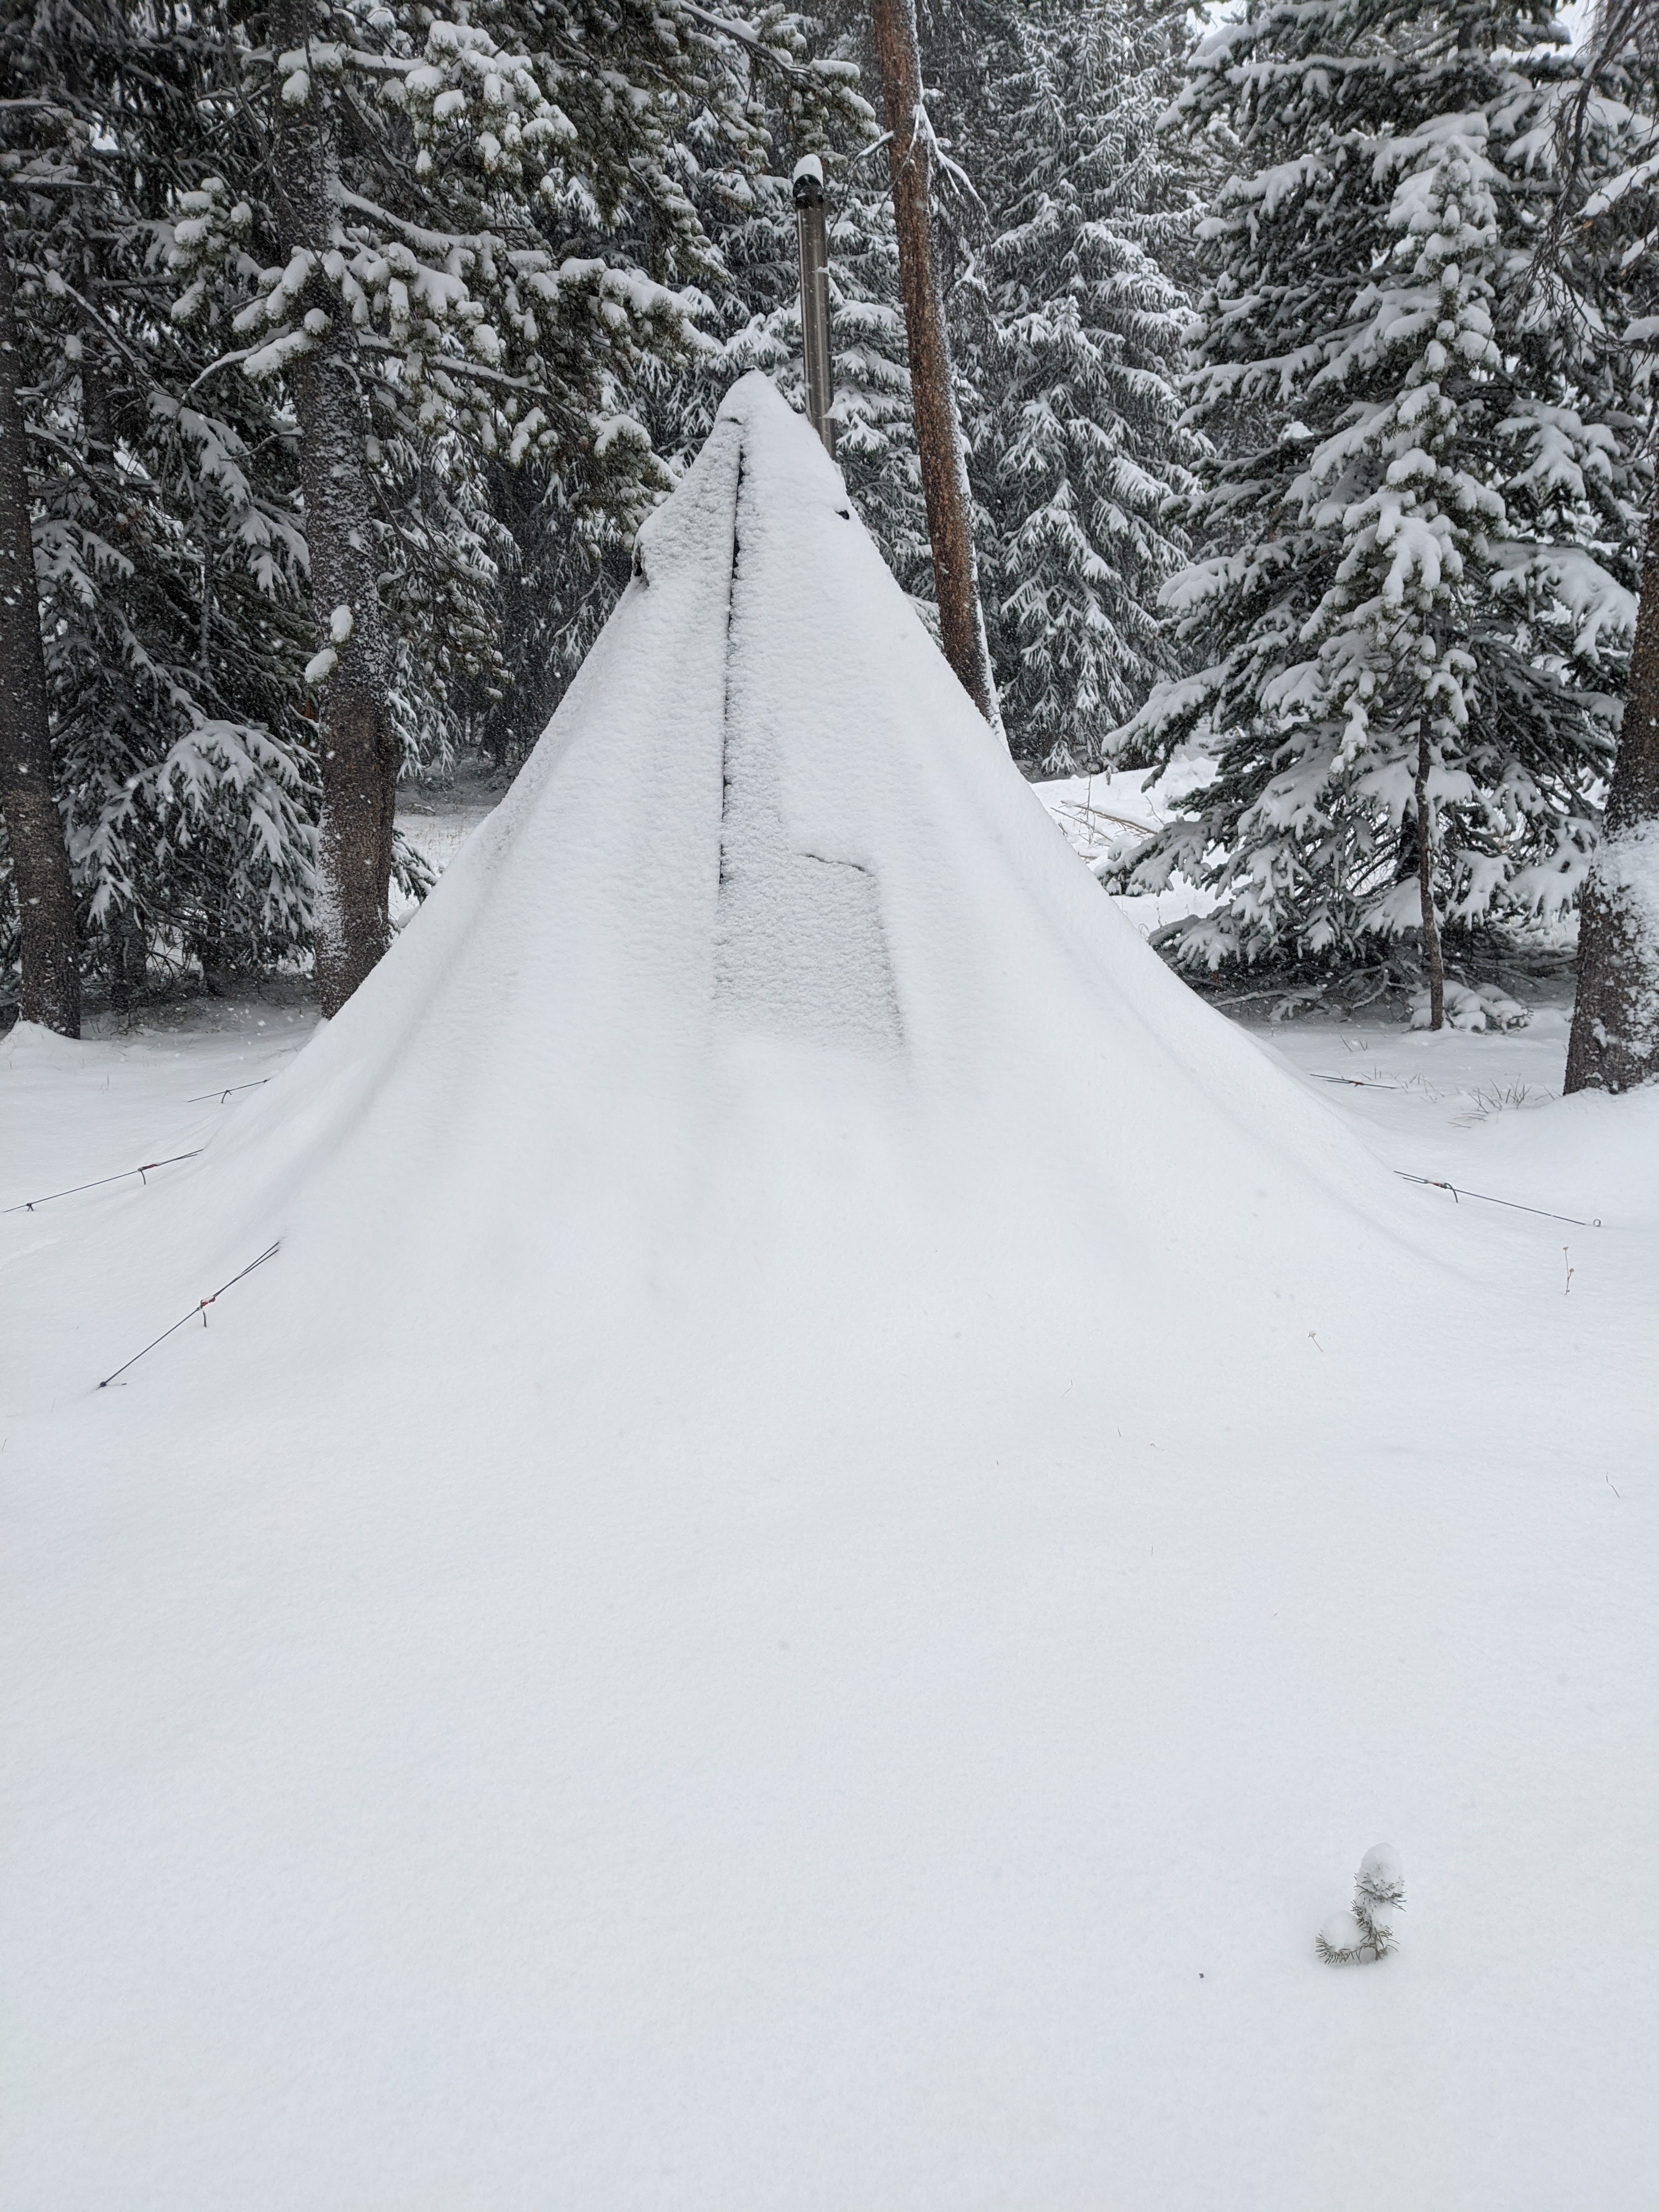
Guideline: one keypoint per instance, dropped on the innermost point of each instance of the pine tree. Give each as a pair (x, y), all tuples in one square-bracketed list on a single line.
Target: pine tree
[(1414, 594), (1079, 451), (167, 554)]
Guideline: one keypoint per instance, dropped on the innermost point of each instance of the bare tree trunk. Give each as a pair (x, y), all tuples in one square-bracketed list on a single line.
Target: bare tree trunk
[(1615, 1017), (35, 833), (1431, 954), (354, 725), (933, 396)]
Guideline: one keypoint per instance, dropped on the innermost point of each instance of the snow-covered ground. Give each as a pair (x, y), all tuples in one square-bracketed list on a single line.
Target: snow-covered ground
[(1103, 816), (1448, 1107), (437, 819), (1138, 1724), (834, 1518)]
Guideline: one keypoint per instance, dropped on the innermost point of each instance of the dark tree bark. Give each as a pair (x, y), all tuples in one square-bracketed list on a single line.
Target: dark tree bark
[(35, 833), (354, 736), (1615, 1017), (933, 396), (1432, 957)]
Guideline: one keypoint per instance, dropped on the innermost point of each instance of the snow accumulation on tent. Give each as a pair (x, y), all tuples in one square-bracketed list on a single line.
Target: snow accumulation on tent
[(837, 1519)]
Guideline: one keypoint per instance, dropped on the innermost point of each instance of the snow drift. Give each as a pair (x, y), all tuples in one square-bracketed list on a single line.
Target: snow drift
[(840, 1511)]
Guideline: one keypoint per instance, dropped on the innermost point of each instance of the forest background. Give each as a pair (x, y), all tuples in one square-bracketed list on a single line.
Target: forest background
[(1301, 357)]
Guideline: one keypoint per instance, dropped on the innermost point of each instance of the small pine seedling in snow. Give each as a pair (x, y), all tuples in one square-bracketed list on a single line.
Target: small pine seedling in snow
[(1352, 1938)]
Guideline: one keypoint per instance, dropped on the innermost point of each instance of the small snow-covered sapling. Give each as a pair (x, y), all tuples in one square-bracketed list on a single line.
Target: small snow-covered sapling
[(1354, 1938)]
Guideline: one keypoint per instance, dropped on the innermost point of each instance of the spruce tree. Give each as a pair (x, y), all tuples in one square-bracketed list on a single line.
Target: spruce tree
[(167, 553), (1414, 593), (1080, 454)]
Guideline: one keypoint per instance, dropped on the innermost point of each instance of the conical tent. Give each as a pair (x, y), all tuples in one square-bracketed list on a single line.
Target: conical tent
[(817, 1546), (769, 925)]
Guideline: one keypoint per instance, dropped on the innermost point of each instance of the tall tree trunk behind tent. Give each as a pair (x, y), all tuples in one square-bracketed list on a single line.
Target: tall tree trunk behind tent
[(35, 833), (356, 739), (1616, 1017), (1433, 960), (938, 431)]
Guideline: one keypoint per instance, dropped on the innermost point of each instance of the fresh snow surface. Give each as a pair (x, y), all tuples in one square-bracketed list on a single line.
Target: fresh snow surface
[(839, 1518), (438, 819), (1105, 816)]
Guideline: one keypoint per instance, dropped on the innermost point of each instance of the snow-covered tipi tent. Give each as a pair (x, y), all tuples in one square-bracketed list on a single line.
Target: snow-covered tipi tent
[(775, 1599), (771, 981)]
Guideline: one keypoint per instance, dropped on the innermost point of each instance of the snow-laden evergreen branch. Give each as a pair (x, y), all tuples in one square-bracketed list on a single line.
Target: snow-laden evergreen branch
[(1416, 592)]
